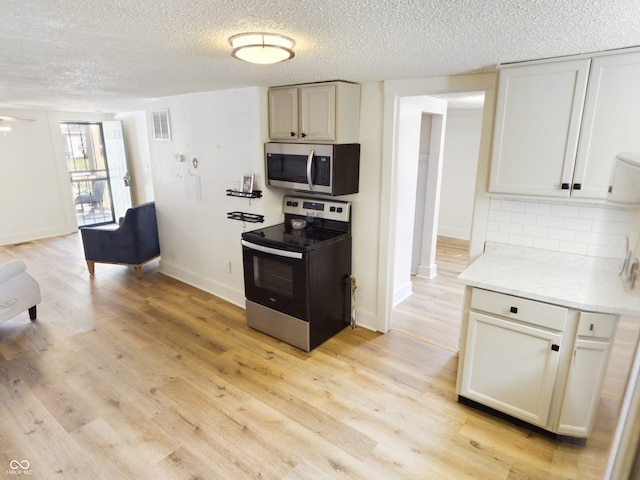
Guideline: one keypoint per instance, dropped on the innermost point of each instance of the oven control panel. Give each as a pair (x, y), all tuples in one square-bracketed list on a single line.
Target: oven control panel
[(317, 207)]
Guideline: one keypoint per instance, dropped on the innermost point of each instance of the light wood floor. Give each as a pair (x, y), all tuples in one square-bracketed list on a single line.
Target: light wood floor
[(433, 312), (154, 379)]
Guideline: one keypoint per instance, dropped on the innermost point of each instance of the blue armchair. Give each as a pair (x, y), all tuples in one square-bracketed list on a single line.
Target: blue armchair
[(134, 242)]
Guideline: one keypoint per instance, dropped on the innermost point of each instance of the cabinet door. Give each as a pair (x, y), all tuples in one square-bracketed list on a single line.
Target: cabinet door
[(610, 124), (510, 367), (538, 114), (582, 393), (318, 113), (283, 113)]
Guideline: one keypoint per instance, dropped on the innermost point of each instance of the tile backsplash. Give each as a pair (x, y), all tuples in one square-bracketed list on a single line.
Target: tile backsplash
[(586, 229)]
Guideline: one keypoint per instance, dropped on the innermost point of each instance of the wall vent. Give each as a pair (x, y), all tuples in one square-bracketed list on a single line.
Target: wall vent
[(161, 128)]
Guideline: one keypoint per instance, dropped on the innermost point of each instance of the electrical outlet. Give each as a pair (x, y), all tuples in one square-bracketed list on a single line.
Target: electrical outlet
[(227, 266)]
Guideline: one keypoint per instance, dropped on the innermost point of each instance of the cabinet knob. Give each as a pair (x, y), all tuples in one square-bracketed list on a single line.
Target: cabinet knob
[(293, 134), (555, 348), (565, 186), (513, 309), (303, 135), (577, 186)]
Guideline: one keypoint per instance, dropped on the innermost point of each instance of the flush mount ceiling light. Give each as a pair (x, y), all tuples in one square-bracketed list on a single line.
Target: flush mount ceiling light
[(9, 118), (262, 48)]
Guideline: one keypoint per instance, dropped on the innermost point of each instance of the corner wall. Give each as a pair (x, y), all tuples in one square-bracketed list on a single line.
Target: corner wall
[(225, 131), (35, 192)]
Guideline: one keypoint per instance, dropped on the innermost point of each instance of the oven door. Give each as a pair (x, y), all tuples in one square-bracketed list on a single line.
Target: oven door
[(276, 279)]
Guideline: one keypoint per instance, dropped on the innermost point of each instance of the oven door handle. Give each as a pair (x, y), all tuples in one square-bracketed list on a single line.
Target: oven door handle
[(272, 251), (309, 165)]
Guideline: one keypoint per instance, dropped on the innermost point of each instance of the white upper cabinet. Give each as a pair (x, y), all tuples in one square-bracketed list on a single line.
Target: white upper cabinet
[(323, 112), (537, 126), (560, 124), (318, 112), (283, 113), (611, 121)]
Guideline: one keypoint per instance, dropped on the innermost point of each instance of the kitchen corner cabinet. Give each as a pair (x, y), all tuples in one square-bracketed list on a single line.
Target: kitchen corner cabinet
[(537, 362), (323, 112), (588, 367), (560, 124)]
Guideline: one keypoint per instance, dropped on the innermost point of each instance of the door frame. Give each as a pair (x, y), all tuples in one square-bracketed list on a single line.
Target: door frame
[(394, 91)]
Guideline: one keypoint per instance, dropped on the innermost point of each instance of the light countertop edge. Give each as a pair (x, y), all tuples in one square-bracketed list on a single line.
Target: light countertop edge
[(580, 285)]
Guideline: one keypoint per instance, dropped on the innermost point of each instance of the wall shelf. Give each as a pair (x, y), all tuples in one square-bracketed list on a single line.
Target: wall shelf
[(237, 193), (245, 217)]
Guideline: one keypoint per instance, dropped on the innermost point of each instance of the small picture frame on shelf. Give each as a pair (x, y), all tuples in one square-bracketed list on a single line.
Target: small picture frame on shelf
[(247, 183)]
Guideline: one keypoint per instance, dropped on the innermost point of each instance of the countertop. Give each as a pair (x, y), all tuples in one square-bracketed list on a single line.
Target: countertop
[(573, 281)]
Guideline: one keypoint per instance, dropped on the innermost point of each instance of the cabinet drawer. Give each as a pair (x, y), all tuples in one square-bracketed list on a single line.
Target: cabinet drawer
[(530, 311), (598, 325)]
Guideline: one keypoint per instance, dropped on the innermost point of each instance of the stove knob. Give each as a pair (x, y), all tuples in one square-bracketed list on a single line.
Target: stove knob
[(339, 209), (332, 209)]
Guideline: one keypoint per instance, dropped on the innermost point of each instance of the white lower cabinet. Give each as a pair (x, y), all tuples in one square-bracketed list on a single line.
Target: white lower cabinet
[(537, 362), (510, 367), (582, 393), (589, 362)]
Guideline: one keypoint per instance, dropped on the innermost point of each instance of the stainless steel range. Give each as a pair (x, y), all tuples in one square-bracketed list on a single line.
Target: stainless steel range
[(297, 281)]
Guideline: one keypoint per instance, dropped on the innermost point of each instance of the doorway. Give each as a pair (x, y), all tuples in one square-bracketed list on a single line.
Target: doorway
[(447, 166), (97, 166)]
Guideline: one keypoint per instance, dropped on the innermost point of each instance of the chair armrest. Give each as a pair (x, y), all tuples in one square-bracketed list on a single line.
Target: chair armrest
[(11, 269), (107, 245)]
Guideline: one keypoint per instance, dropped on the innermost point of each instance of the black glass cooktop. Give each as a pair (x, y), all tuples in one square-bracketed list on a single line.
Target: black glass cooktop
[(284, 236)]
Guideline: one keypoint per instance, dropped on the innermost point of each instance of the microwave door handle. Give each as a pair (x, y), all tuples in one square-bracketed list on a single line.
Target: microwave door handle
[(309, 165)]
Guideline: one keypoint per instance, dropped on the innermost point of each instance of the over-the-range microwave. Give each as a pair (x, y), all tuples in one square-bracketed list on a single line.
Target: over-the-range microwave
[(332, 169)]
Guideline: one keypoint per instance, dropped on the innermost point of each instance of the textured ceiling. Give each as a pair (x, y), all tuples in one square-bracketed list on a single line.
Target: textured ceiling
[(84, 55)]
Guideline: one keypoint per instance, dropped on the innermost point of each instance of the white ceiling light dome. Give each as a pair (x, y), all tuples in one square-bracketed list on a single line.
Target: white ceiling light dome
[(262, 48)]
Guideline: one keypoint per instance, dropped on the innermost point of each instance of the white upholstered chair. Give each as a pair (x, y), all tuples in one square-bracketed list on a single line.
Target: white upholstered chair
[(18, 291)]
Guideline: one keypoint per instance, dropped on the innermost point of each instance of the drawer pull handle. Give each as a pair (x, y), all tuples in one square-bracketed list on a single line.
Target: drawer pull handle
[(555, 348), (513, 309), (591, 327)]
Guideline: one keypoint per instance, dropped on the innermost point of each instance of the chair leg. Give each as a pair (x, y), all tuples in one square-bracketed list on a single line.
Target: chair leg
[(138, 269), (91, 265), (32, 313)]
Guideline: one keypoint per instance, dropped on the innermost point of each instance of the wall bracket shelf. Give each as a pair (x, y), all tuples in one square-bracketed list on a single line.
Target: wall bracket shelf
[(237, 193), (245, 217)]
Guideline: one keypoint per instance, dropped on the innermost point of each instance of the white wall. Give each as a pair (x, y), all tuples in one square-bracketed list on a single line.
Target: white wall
[(462, 141), (35, 193), (225, 131), (367, 205), (421, 193)]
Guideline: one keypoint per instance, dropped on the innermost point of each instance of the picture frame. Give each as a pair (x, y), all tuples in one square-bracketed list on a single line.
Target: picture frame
[(247, 183)]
